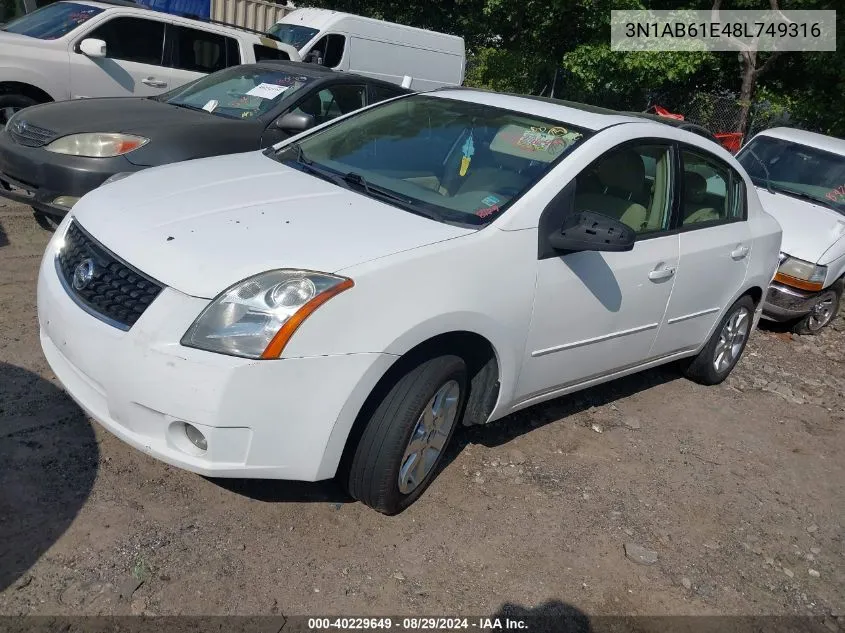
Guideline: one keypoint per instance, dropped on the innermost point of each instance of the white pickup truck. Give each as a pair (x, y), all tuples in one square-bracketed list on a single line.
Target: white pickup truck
[(77, 49), (800, 178)]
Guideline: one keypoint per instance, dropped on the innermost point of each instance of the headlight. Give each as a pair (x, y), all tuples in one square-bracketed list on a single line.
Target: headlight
[(800, 274), (256, 317), (118, 176), (97, 145)]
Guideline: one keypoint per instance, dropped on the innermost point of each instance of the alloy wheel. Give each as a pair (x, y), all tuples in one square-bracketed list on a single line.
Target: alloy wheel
[(822, 312), (731, 339), (429, 436)]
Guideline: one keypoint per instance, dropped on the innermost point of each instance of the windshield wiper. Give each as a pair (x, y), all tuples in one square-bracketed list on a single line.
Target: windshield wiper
[(307, 165), (765, 170), (374, 191), (806, 196)]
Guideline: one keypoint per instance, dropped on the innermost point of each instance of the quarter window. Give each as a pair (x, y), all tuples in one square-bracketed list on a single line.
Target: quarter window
[(712, 191), (265, 52), (630, 184), (132, 40), (201, 51)]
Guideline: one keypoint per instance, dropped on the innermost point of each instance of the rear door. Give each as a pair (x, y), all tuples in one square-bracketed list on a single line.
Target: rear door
[(133, 65), (193, 53), (715, 245)]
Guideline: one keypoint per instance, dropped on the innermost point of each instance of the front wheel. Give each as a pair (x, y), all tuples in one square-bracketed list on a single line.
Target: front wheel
[(824, 311), (722, 352), (12, 103), (406, 435)]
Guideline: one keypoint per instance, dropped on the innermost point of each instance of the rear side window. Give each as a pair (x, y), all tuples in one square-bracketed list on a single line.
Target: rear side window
[(712, 191), (201, 51), (266, 52), (132, 40)]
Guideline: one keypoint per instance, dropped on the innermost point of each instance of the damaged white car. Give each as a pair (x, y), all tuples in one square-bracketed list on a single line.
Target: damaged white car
[(800, 178)]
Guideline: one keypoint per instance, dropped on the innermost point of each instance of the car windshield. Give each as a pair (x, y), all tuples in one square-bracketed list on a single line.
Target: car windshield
[(53, 21), (454, 161), (796, 170), (293, 34), (241, 92)]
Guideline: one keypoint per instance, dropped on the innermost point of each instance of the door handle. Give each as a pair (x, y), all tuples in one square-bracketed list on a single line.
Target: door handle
[(739, 252), (661, 272), (154, 83)]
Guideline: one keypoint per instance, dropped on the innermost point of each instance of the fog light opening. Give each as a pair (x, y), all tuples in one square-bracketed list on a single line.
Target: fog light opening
[(196, 437), (66, 201)]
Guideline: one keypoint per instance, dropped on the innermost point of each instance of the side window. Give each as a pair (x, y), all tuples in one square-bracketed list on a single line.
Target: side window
[(712, 191), (200, 51), (332, 102), (380, 93), (132, 40), (631, 184), (328, 51), (265, 52)]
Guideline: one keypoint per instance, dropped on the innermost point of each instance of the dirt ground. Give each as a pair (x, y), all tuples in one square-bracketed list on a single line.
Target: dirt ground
[(738, 489)]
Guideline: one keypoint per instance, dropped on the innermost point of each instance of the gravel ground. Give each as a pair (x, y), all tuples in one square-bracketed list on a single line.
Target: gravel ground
[(651, 495)]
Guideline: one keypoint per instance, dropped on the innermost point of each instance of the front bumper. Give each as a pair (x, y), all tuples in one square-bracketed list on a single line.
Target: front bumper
[(34, 176), (263, 419), (784, 303)]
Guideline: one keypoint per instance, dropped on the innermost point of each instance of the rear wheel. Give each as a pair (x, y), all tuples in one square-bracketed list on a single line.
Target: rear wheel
[(406, 435), (824, 311), (722, 352), (12, 103)]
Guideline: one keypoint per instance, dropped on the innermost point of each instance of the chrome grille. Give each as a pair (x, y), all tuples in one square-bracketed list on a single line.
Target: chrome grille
[(24, 133), (116, 292)]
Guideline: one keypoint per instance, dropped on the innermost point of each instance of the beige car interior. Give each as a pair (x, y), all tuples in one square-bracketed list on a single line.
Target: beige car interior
[(617, 186)]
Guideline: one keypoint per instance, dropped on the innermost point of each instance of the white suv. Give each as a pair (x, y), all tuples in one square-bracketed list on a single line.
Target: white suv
[(71, 50)]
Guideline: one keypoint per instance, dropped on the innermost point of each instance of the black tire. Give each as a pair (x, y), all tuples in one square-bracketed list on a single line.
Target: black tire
[(702, 368), (824, 311), (373, 475), (11, 103), (46, 222)]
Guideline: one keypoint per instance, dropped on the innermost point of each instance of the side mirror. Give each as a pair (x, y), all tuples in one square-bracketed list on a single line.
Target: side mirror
[(294, 122), (589, 231), (93, 48)]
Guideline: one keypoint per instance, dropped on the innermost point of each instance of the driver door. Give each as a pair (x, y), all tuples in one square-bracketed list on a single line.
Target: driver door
[(596, 313)]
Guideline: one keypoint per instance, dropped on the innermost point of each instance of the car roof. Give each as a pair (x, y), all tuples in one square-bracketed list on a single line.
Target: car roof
[(320, 72), (813, 139), (585, 116)]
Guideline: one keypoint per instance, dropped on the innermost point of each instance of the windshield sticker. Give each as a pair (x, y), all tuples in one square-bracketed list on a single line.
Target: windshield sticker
[(550, 140), (267, 91), (490, 200), (836, 195), (468, 151), (82, 15), (211, 105), (484, 212)]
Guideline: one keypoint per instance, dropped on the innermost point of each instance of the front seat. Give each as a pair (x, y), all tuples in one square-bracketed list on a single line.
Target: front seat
[(621, 179)]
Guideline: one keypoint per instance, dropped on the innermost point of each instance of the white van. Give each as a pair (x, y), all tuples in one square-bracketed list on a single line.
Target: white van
[(379, 49)]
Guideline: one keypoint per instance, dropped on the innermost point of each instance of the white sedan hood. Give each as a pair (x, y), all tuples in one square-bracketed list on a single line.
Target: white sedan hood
[(201, 226), (808, 229)]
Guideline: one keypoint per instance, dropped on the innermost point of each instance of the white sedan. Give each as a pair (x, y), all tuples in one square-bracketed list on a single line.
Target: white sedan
[(338, 305)]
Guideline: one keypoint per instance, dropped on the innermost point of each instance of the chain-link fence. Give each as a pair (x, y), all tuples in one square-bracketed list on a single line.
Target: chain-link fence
[(721, 113)]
